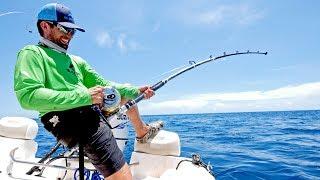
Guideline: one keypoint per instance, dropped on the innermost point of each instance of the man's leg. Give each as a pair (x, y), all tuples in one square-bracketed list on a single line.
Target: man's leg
[(102, 150), (143, 131), (139, 126), (124, 173), (104, 153)]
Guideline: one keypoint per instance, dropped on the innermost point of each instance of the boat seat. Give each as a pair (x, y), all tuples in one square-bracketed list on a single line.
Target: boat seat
[(17, 132), (18, 128), (164, 143)]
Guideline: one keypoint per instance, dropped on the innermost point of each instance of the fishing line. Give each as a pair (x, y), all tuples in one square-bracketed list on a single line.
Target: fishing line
[(167, 72), (28, 28), (11, 12)]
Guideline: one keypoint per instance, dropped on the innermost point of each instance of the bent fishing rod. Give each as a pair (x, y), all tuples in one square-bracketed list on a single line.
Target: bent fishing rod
[(124, 108)]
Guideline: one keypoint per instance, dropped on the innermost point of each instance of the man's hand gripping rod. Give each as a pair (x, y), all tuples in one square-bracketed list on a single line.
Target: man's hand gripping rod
[(124, 108)]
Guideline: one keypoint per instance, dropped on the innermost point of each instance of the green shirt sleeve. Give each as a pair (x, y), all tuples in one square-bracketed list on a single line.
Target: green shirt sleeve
[(91, 78), (30, 89)]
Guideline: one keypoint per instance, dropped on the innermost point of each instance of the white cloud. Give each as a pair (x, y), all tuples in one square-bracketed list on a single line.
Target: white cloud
[(126, 45), (104, 39), (121, 42), (280, 93), (244, 14), (233, 14), (211, 17), (304, 96)]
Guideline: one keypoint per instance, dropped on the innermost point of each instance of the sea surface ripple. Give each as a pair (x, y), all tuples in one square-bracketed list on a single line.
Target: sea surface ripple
[(253, 145)]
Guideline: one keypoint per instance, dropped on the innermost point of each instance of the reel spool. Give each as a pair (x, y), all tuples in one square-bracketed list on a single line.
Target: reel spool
[(112, 99)]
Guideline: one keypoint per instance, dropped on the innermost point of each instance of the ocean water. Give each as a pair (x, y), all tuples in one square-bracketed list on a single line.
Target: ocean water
[(254, 145)]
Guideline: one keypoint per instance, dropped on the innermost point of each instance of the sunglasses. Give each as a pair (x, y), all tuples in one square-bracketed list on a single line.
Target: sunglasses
[(63, 29)]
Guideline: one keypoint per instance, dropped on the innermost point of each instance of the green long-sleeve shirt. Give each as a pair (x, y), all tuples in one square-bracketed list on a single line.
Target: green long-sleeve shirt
[(46, 80)]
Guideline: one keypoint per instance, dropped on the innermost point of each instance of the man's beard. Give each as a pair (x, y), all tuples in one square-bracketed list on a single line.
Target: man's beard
[(64, 46), (57, 42)]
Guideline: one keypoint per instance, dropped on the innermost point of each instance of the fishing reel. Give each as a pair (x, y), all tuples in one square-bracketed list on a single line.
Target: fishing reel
[(110, 112), (111, 101)]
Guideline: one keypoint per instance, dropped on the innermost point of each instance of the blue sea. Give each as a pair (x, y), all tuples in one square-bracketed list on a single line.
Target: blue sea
[(249, 145)]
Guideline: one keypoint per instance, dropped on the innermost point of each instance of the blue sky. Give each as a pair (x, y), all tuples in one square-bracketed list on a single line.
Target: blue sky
[(136, 41)]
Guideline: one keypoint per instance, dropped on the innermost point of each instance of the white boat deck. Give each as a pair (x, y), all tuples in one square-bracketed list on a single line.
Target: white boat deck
[(156, 159)]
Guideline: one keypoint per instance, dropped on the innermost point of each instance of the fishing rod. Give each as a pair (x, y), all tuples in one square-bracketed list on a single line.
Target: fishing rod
[(124, 108)]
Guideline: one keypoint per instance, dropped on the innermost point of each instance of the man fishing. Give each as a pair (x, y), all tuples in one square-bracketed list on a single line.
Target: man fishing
[(63, 88)]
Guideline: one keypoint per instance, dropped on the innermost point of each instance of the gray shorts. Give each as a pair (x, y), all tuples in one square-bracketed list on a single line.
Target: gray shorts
[(99, 143)]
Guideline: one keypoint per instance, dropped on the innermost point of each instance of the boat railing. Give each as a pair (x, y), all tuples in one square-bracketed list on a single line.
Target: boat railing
[(14, 160)]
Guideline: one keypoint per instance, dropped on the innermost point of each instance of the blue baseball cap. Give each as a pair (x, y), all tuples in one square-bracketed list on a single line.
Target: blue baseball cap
[(59, 13)]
